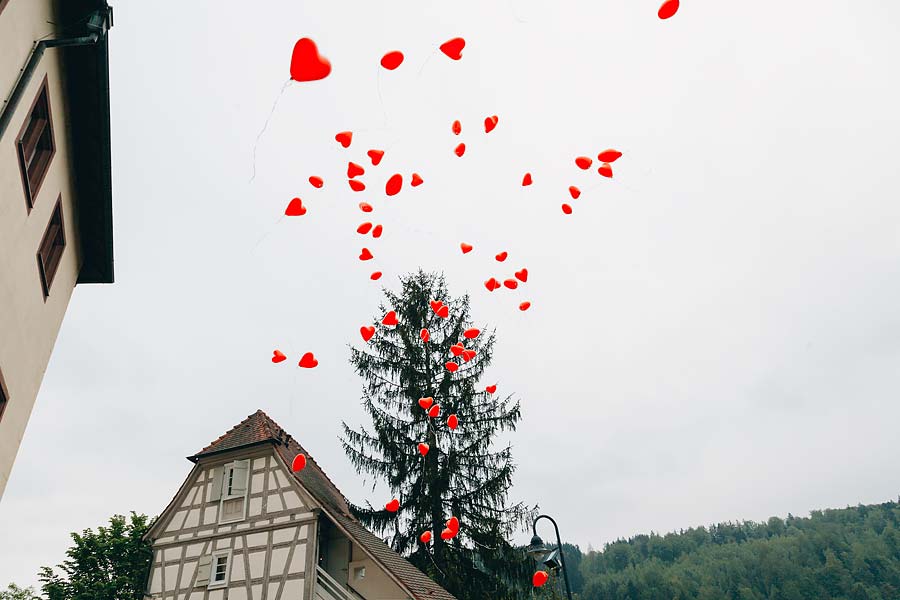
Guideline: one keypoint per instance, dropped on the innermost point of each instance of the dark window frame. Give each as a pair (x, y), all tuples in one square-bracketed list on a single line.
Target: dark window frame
[(48, 257), (4, 395), (32, 183)]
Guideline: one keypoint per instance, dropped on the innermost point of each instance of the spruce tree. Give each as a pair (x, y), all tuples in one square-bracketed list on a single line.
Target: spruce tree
[(463, 474)]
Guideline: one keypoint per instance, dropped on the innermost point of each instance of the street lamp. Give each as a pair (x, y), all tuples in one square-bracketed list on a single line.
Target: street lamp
[(540, 552)]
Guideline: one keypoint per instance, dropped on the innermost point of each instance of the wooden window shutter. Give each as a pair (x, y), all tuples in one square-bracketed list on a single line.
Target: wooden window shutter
[(239, 480), (203, 568), (216, 492)]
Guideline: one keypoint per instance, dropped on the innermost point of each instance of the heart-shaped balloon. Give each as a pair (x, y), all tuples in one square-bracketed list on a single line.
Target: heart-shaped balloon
[(435, 411), (583, 162), (456, 127), (668, 8), (295, 208), (375, 156), (453, 524), (424, 335), (453, 48), (299, 463), (278, 356), (392, 60), (308, 361), (416, 180), (460, 150), (522, 275), (452, 367), (456, 349), (539, 578), (392, 506), (425, 537), (502, 256), (426, 402), (609, 156), (354, 170), (356, 185), (574, 192), (490, 123), (443, 312), (471, 334), (344, 138), (468, 355), (376, 233), (390, 319), (365, 207), (491, 284), (466, 248), (525, 306), (605, 170), (365, 254), (367, 333), (511, 283), (567, 209), (375, 276), (423, 449), (452, 422), (526, 180), (393, 185), (447, 534), (364, 228), (306, 62), (491, 389), (316, 181), (436, 305)]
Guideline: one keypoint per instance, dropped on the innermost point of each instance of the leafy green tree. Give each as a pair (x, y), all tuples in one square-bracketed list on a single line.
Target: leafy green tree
[(463, 474), (14, 592), (111, 564)]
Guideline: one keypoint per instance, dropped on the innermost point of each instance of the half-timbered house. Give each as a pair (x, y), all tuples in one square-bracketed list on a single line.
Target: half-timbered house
[(244, 526)]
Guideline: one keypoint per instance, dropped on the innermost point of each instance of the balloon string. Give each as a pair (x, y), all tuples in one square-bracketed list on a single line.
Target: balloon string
[(265, 125)]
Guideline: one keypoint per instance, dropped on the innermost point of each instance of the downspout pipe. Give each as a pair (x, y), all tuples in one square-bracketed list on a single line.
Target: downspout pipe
[(100, 22)]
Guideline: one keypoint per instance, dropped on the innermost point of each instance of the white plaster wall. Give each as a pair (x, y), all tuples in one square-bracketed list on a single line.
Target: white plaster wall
[(28, 324)]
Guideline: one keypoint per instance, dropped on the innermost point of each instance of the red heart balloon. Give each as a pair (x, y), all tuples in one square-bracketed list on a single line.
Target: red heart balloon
[(471, 334), (452, 422), (344, 138), (424, 335), (605, 170), (456, 349), (436, 305), (435, 411), (376, 233), (466, 248), (364, 228), (468, 355), (375, 276), (295, 208), (525, 306), (447, 534), (511, 283), (278, 356), (299, 463), (452, 367), (390, 319), (308, 361), (526, 180), (392, 60), (502, 256), (393, 185), (426, 402), (453, 524), (574, 191), (567, 209), (668, 8), (416, 180), (365, 207), (356, 185), (492, 284), (456, 127), (539, 578), (306, 63), (522, 275), (609, 156), (393, 505), (425, 537), (423, 449), (490, 123), (376, 156), (583, 162), (316, 182), (453, 48), (365, 254), (443, 312), (367, 333), (460, 150), (354, 170), (491, 389)]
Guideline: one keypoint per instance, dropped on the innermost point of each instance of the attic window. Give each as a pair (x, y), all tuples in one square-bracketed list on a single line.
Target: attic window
[(231, 489), (51, 249), (35, 145), (359, 573)]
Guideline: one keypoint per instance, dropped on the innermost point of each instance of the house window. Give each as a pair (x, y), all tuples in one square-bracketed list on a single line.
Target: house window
[(4, 395), (35, 145), (220, 569), (51, 249), (234, 491)]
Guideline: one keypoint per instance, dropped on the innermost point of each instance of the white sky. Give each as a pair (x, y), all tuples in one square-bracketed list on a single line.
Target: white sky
[(715, 332)]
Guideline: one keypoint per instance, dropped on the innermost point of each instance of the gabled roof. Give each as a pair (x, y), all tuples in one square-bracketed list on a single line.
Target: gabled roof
[(258, 429)]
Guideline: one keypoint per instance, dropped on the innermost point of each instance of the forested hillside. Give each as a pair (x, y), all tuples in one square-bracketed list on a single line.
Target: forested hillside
[(851, 553)]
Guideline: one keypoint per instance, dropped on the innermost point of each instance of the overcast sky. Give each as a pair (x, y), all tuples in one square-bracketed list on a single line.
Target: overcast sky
[(715, 332)]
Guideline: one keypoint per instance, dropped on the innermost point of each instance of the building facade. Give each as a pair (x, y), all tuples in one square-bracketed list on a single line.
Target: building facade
[(244, 526), (55, 187)]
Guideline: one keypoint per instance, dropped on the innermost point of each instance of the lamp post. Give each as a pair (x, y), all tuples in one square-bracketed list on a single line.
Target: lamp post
[(537, 550)]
